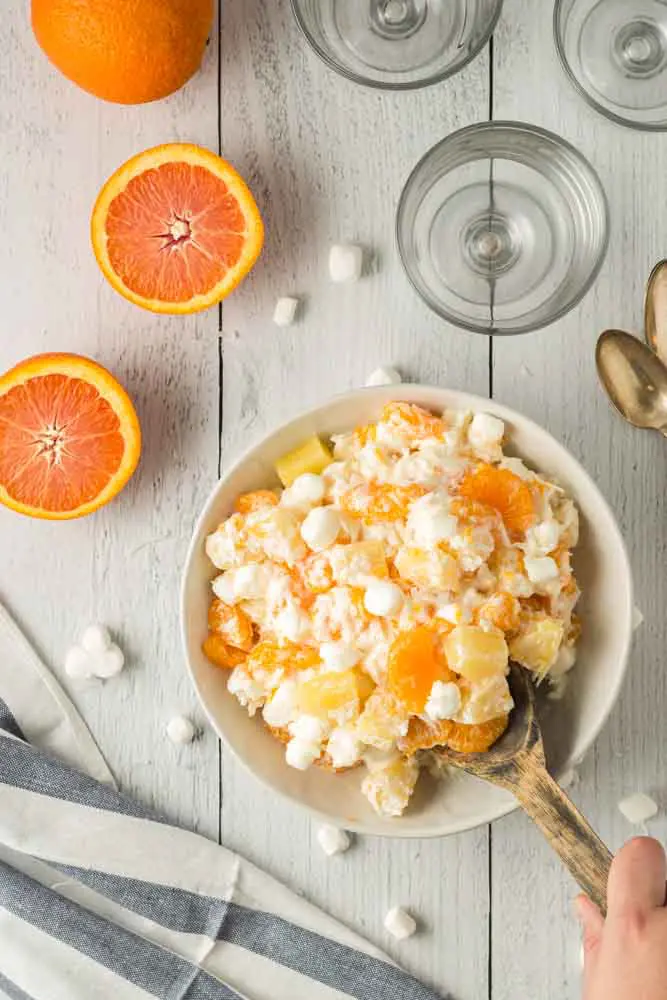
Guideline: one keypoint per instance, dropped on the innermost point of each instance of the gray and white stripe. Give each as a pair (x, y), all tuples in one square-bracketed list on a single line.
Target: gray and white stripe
[(100, 898)]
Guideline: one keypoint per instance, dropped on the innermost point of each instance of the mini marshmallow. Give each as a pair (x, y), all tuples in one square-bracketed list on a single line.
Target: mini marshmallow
[(485, 431), (95, 655), (181, 730), (306, 491), (383, 598), (332, 840), (320, 528), (285, 311), (223, 587), (346, 263), (305, 746), (383, 376), (637, 618), (279, 711), (443, 702), (542, 570), (638, 808), (400, 924), (338, 656), (344, 748)]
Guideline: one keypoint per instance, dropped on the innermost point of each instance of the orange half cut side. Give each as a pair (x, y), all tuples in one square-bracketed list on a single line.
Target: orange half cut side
[(69, 437), (176, 229)]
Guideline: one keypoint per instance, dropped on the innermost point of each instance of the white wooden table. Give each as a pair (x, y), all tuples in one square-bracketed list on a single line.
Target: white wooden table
[(327, 161)]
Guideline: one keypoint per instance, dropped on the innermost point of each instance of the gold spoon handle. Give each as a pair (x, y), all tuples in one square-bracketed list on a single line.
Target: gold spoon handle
[(568, 832)]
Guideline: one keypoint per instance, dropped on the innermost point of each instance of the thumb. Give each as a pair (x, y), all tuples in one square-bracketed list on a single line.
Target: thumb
[(592, 923)]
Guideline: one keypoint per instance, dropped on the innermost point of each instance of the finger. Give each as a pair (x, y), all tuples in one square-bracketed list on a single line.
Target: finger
[(592, 923), (637, 878)]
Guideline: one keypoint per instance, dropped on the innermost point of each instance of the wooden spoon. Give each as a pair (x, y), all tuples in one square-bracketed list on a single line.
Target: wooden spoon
[(517, 763)]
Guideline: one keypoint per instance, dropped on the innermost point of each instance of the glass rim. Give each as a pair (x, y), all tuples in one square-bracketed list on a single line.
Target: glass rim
[(527, 129), (429, 81), (596, 105)]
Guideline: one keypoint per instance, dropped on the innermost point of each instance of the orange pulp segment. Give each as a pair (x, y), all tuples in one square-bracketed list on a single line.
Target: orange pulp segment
[(416, 661)]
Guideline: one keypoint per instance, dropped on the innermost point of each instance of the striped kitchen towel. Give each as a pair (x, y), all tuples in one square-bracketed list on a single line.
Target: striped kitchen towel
[(101, 899)]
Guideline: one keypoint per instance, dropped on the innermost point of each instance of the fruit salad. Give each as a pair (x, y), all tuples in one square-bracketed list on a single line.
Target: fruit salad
[(369, 609)]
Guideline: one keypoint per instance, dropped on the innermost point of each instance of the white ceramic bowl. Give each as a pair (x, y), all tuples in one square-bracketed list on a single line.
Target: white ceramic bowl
[(571, 725)]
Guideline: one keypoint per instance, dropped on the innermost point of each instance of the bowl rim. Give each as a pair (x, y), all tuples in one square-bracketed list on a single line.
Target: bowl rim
[(396, 86), (467, 401), (597, 106), (490, 127)]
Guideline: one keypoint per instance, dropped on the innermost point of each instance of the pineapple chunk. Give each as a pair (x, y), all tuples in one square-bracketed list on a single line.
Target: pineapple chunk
[(383, 721), (537, 644), (313, 456), (475, 653), (353, 564), (488, 700), (389, 786), (333, 692), (436, 570)]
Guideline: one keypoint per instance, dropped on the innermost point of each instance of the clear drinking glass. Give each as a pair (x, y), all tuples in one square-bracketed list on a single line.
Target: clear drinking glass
[(397, 44), (615, 53), (502, 228)]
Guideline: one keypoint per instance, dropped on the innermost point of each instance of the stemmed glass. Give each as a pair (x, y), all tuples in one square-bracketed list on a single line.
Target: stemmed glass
[(615, 53), (397, 44), (502, 228)]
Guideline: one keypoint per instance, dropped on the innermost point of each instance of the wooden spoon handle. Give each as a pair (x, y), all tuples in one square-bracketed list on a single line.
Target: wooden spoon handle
[(568, 832)]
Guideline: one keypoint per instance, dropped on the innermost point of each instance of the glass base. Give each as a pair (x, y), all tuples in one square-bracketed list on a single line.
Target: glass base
[(616, 53), (397, 44), (502, 228), (398, 36)]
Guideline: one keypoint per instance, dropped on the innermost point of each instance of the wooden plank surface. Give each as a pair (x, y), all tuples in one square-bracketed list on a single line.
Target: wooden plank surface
[(121, 566), (327, 161), (550, 375)]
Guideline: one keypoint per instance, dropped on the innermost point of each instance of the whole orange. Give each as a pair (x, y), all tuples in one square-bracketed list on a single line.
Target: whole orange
[(126, 51)]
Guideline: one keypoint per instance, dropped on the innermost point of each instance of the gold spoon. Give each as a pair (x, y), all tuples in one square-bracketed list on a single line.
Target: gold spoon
[(517, 764), (655, 310), (635, 379)]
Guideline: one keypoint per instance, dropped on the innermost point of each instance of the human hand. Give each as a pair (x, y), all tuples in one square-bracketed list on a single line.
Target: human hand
[(625, 956)]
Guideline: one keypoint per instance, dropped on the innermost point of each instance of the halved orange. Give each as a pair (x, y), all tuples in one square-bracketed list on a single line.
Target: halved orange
[(176, 229), (69, 437)]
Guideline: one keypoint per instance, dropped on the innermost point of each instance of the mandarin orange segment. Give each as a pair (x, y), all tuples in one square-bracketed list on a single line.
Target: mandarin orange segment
[(232, 624), (380, 501), (423, 735), (416, 661), (505, 492), (69, 437), (477, 738), (220, 653), (413, 420), (250, 503), (268, 656), (328, 693), (176, 229)]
